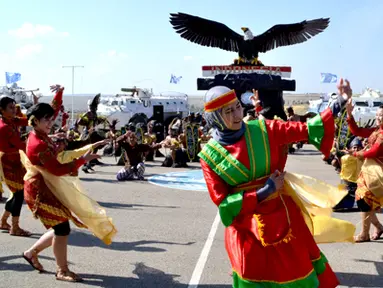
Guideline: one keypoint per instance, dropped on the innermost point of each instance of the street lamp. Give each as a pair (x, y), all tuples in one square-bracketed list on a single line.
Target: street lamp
[(73, 67)]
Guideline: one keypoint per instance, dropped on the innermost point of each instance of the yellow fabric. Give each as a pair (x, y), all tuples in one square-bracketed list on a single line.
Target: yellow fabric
[(2, 178), (68, 156), (372, 171), (316, 199), (149, 139), (175, 142), (350, 168), (70, 193)]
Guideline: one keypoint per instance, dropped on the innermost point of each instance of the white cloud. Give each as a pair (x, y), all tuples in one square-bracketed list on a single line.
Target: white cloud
[(30, 31), (188, 58), (28, 50)]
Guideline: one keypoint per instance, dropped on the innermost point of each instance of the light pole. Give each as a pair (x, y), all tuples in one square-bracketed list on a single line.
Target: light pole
[(73, 67)]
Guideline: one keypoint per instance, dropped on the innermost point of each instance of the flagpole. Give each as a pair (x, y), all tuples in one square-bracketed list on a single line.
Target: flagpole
[(73, 67)]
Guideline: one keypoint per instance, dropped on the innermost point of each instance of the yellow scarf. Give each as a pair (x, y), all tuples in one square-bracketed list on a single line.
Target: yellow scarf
[(69, 192)]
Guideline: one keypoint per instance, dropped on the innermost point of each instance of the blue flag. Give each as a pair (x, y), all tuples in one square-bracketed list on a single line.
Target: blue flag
[(328, 78), (174, 79), (12, 77)]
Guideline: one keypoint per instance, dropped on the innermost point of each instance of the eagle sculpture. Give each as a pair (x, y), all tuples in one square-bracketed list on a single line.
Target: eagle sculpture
[(206, 32)]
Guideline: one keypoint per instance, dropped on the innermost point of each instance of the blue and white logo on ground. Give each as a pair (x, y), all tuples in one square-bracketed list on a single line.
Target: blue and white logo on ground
[(187, 180)]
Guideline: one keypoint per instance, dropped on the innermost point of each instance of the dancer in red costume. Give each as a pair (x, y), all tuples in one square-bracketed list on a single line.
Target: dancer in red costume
[(266, 236), (55, 198), (368, 195), (11, 168)]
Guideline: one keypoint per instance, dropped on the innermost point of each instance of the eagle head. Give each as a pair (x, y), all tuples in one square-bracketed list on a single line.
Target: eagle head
[(248, 34)]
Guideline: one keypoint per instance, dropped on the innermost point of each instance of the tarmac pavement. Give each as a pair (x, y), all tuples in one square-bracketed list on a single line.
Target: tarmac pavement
[(161, 234)]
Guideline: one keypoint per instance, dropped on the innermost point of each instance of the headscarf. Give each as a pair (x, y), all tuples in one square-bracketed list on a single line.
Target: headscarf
[(215, 99), (356, 142)]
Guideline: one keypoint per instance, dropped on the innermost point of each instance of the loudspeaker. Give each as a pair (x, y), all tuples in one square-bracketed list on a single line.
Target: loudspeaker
[(158, 113)]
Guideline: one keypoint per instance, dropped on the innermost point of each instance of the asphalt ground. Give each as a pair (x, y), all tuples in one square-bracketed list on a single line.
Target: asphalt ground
[(161, 235)]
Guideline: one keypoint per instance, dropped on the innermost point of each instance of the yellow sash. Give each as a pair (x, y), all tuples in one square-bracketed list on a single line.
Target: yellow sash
[(372, 171), (69, 192), (69, 155), (316, 199), (351, 167)]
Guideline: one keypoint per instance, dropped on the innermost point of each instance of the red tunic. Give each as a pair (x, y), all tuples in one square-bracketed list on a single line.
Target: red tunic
[(290, 261), (44, 205), (10, 144), (373, 150)]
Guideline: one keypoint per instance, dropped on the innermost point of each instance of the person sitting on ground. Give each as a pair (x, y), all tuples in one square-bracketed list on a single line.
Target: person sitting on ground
[(177, 157), (135, 166), (150, 138)]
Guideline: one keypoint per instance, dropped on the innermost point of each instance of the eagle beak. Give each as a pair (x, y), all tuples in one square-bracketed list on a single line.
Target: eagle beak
[(244, 29)]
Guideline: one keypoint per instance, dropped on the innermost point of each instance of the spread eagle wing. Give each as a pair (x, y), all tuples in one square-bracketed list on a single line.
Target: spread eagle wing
[(289, 34), (206, 32)]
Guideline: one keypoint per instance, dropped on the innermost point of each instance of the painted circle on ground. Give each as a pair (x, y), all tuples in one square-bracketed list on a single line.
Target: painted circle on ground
[(186, 180)]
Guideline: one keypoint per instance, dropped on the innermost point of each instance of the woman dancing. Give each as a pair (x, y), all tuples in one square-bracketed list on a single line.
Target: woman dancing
[(41, 192), (266, 236), (369, 192), (11, 168)]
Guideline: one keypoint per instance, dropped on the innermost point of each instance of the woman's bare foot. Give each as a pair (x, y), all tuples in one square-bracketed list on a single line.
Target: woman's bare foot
[(31, 257), (361, 238), (377, 234), (68, 276), (19, 232), (5, 226)]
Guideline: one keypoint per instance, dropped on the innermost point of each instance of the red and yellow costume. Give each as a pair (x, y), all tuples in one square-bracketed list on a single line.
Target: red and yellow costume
[(44, 205), (269, 243), (57, 101), (370, 174), (10, 144)]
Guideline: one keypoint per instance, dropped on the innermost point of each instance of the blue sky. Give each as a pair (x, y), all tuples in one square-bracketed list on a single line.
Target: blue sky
[(125, 43)]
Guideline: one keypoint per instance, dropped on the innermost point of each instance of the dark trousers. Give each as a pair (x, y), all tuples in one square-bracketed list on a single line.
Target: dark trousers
[(14, 204), (62, 229)]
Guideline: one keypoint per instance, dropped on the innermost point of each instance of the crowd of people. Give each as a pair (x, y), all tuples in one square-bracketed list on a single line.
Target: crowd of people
[(269, 232)]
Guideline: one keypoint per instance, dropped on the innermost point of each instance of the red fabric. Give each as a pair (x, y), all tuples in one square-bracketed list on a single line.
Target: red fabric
[(10, 144), (220, 101), (376, 151), (57, 101), (219, 190), (375, 140), (359, 131), (41, 151), (35, 188), (10, 138), (328, 278), (329, 128), (64, 119), (284, 261), (41, 201)]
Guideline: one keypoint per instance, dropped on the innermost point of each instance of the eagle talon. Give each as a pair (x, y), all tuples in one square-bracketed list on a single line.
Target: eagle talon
[(240, 60), (254, 61)]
